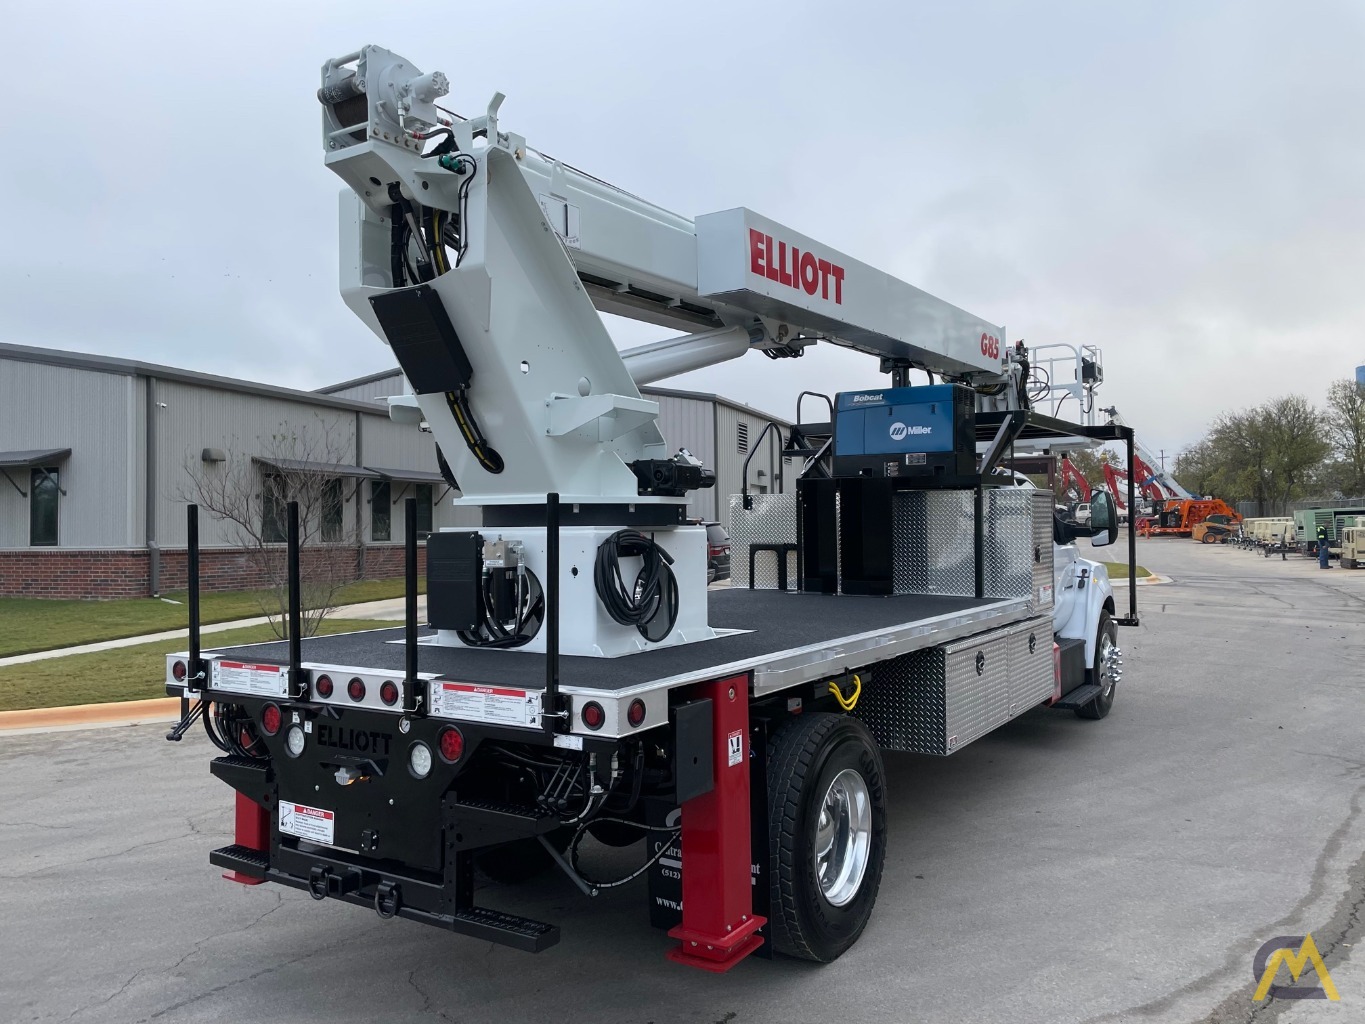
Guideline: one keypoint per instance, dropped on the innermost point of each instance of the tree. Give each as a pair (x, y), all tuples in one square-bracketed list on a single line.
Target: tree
[(1344, 419), (250, 494), (1266, 454)]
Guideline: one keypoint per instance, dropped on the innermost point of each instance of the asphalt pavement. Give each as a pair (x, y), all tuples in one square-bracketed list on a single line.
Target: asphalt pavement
[(1058, 870)]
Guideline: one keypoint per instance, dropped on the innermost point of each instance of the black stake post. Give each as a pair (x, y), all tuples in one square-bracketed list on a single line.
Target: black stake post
[(411, 684), (550, 703), (1132, 537), (196, 674), (295, 615)]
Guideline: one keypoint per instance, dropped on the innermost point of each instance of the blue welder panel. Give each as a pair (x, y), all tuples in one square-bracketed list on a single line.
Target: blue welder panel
[(895, 421)]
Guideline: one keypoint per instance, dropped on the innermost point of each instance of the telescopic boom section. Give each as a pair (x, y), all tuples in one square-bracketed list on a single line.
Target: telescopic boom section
[(483, 263)]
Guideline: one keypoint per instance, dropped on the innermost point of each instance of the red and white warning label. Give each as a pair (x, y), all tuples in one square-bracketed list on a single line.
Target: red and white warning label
[(240, 677), (496, 705), (311, 823), (735, 748)]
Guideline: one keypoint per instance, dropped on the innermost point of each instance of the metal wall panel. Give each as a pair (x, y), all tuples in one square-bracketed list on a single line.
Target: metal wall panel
[(691, 423), (242, 425), (730, 461), (95, 415), (374, 390)]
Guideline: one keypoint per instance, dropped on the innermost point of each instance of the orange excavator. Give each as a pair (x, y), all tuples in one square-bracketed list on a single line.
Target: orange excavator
[(1074, 487)]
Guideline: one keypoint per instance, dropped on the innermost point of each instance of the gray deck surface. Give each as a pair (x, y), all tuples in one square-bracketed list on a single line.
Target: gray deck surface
[(777, 622)]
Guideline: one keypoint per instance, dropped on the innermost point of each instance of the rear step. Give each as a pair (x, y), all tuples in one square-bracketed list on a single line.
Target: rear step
[(241, 859), (508, 929), (1078, 697), (483, 823)]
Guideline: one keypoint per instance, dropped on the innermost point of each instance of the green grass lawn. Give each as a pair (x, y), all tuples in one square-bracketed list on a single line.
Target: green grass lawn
[(32, 624), (128, 673), (1119, 570)]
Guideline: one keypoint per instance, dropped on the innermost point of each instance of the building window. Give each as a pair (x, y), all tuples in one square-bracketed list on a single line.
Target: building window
[(381, 511), (423, 494), (741, 437), (42, 507), (274, 510), (333, 505)]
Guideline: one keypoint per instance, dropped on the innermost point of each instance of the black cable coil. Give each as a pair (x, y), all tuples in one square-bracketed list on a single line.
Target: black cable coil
[(654, 593)]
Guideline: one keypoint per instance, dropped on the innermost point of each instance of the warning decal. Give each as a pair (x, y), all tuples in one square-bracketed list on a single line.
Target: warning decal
[(735, 747), (311, 823), (239, 677), (497, 705)]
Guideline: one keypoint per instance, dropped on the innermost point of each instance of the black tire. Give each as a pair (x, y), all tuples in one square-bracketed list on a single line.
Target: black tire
[(804, 758), (1104, 701)]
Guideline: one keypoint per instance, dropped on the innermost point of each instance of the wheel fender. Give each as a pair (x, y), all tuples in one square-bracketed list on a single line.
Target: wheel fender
[(1084, 622)]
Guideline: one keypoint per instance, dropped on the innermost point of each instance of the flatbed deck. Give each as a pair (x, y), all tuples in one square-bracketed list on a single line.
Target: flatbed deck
[(785, 638)]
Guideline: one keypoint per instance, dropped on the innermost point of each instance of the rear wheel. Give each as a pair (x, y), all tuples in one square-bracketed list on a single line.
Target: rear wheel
[(1105, 670), (827, 834)]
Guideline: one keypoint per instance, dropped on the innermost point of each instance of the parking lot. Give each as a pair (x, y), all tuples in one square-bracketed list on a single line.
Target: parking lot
[(1057, 870)]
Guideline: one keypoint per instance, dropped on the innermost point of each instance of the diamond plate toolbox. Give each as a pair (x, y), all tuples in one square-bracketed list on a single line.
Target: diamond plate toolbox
[(771, 520), (936, 701)]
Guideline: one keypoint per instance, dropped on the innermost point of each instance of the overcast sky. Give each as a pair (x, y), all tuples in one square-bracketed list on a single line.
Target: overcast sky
[(1182, 184)]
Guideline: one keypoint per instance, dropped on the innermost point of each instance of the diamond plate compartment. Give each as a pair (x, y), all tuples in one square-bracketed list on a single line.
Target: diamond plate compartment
[(1043, 509), (932, 545), (938, 700), (772, 520)]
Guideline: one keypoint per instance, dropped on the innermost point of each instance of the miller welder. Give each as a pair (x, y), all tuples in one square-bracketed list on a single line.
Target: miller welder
[(916, 432)]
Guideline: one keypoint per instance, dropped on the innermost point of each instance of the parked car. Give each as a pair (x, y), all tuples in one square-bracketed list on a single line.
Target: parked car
[(717, 553)]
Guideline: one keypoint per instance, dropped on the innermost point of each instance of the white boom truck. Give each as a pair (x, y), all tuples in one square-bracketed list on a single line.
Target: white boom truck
[(576, 678)]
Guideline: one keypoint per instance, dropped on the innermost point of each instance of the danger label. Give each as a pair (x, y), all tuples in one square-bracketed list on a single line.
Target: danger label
[(735, 748), (496, 705), (311, 823), (240, 677)]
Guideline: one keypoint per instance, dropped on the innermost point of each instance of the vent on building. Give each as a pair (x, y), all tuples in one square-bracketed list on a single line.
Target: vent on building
[(741, 437)]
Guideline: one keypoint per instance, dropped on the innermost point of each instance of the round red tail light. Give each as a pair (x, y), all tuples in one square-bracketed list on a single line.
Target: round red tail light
[(452, 743), (323, 686), (271, 719), (388, 693), (355, 689), (180, 670), (593, 716), (635, 714)]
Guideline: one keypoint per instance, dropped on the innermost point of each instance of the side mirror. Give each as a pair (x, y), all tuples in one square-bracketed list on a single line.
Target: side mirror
[(1104, 520)]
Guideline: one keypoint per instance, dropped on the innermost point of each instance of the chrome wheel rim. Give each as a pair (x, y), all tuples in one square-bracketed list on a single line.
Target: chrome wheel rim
[(1110, 660), (843, 837)]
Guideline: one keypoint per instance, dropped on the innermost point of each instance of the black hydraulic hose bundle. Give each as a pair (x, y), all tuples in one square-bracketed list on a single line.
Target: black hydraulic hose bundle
[(654, 592)]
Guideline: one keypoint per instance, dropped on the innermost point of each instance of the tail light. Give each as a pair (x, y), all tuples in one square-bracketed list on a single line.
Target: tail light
[(593, 716), (323, 686), (271, 719), (635, 714), (355, 689), (452, 743), (388, 693), (180, 670)]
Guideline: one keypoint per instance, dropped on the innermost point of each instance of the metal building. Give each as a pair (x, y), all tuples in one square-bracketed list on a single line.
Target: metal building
[(98, 457)]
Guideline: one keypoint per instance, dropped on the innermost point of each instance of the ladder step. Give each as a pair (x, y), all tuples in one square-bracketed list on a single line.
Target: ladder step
[(484, 822), (1078, 697), (246, 775), (507, 929), (242, 859)]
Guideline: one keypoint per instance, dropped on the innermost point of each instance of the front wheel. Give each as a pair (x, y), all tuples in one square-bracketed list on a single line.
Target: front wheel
[(827, 834), (1105, 671)]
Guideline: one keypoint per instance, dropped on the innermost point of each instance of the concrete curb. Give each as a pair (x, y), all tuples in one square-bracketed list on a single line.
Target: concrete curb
[(90, 716), (1145, 581)]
